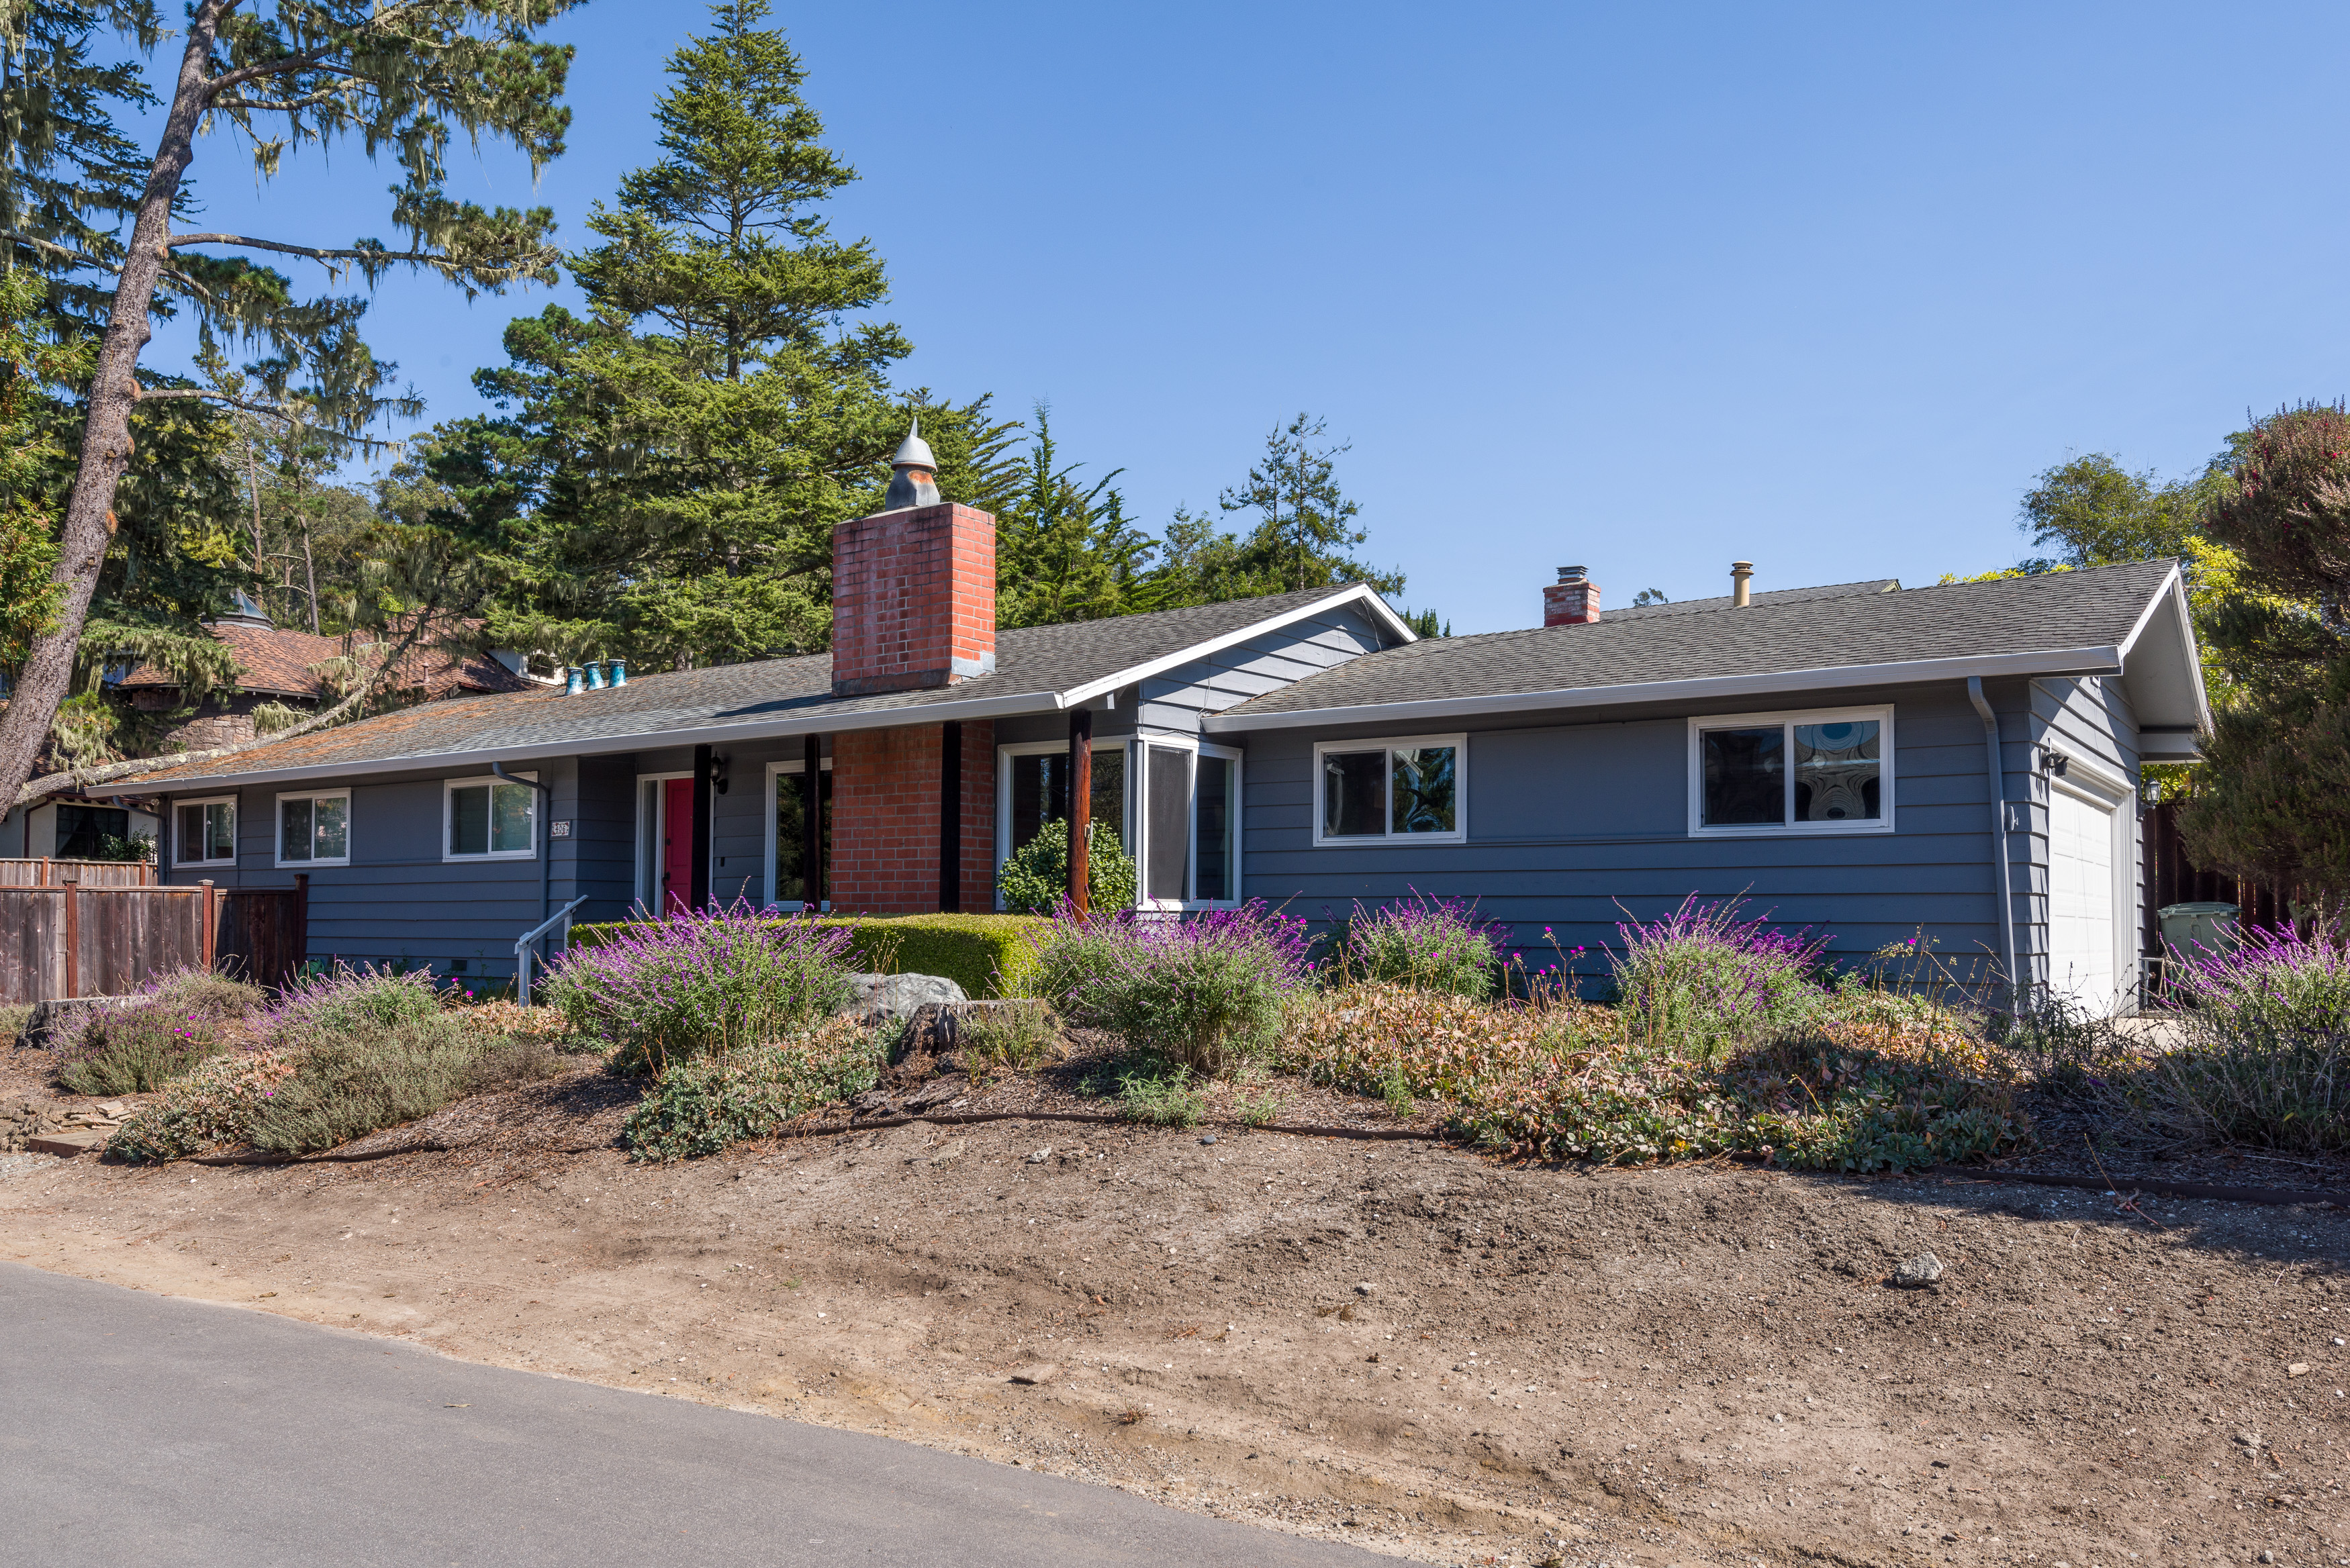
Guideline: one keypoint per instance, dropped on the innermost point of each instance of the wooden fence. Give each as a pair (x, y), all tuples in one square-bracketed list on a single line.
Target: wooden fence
[(48, 873), (73, 938)]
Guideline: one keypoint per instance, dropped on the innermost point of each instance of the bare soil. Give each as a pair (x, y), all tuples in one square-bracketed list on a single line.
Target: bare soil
[(1400, 1345)]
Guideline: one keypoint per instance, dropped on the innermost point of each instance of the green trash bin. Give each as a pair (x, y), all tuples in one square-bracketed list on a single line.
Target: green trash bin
[(2193, 931)]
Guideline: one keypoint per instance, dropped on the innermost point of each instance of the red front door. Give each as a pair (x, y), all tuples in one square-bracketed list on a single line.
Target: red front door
[(677, 845)]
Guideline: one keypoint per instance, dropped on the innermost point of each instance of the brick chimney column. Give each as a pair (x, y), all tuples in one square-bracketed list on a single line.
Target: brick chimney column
[(913, 599), (1572, 600)]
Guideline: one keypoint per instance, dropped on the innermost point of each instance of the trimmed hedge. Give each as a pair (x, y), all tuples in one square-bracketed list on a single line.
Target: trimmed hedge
[(984, 954)]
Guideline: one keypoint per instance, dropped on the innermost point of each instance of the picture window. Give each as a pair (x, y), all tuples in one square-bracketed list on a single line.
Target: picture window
[(1392, 792), (1791, 772)]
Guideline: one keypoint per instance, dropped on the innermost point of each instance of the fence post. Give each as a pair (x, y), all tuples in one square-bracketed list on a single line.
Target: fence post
[(207, 916), (45, 867), (73, 936)]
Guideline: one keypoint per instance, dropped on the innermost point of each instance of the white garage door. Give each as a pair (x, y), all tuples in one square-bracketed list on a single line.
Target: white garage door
[(2081, 900)]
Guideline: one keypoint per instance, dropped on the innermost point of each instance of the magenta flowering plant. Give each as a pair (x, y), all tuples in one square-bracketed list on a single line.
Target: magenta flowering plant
[(1703, 981), (136, 1043), (1426, 944), (702, 982), (2273, 981), (1194, 991)]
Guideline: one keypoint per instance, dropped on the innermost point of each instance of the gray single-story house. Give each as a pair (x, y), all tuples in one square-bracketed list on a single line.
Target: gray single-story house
[(1960, 760)]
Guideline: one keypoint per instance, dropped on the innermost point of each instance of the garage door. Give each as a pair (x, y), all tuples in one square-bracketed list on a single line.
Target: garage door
[(2081, 900)]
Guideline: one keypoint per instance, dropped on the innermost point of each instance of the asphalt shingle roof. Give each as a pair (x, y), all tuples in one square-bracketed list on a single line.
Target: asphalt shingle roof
[(1778, 633), (282, 662), (1030, 662)]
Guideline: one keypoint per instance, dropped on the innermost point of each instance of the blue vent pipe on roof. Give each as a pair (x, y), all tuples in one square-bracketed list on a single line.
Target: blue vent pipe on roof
[(594, 676), (571, 681), (620, 672)]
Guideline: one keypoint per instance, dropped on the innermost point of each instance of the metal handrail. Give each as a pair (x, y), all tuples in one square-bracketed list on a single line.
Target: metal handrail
[(561, 916)]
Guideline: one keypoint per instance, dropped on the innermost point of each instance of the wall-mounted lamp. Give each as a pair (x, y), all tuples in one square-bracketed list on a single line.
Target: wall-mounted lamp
[(718, 774)]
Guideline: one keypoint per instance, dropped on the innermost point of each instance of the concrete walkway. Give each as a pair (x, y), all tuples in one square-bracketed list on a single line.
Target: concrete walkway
[(139, 1429)]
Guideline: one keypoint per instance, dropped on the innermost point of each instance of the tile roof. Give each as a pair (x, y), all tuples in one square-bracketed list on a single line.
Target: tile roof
[(1033, 666), (1777, 634), (279, 661)]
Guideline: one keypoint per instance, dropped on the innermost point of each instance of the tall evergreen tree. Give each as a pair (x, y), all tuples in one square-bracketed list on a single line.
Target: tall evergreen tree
[(1065, 550), (1306, 531), (690, 439), (403, 79)]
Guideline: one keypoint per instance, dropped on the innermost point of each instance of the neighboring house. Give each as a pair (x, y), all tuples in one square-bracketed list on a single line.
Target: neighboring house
[(72, 827), (280, 665), (1832, 754)]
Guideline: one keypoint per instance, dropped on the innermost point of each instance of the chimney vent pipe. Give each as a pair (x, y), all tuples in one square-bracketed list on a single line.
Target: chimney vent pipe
[(1742, 589)]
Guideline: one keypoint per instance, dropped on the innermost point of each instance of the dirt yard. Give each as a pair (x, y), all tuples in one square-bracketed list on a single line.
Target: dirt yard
[(1398, 1344)]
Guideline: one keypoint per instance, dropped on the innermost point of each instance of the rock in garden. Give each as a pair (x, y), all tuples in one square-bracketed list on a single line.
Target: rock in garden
[(1367, 1289), (51, 1022), (1924, 1269), (885, 998), (1036, 1373)]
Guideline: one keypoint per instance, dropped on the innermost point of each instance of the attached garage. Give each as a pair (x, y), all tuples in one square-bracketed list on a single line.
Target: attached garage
[(2083, 894)]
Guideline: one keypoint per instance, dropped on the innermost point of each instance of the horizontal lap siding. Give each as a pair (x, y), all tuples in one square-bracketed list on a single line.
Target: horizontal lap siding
[(1176, 700), (1579, 826), (2088, 718), (398, 901)]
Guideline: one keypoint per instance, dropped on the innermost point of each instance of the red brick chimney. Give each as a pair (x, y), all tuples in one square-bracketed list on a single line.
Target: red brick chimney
[(913, 587), (1572, 600)]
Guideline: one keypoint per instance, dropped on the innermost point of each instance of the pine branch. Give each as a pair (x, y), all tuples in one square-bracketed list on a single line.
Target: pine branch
[(369, 255), (273, 411), (309, 59)]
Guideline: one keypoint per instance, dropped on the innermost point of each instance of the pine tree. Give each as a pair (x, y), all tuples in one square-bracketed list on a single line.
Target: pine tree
[(689, 442), (1064, 551), (403, 79), (1305, 530)]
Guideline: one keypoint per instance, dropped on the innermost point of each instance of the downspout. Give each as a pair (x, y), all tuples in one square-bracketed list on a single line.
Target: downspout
[(1998, 776), (544, 827)]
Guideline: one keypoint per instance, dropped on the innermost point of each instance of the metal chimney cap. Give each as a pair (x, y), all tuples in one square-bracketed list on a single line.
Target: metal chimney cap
[(1741, 568), (914, 452), (1570, 573)]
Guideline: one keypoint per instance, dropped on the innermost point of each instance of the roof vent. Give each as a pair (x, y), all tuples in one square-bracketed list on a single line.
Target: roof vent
[(1742, 578)]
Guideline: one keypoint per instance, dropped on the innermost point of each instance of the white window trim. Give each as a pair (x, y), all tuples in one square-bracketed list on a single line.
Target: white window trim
[(775, 772), (1392, 840), (1004, 755), (1783, 828), (644, 869), (235, 827), (1139, 785), (450, 786), (278, 827)]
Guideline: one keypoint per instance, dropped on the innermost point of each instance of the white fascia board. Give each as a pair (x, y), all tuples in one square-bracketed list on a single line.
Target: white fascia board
[(2061, 661), (1363, 592), (649, 740), (2172, 596)]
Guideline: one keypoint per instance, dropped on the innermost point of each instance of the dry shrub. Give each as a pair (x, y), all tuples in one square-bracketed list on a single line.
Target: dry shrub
[(142, 1042)]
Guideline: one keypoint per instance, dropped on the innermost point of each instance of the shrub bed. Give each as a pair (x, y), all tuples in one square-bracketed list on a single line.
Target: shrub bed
[(142, 1042), (704, 1104)]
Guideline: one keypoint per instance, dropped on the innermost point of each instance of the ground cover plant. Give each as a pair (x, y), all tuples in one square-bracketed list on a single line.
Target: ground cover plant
[(665, 991), (138, 1044), (702, 1104)]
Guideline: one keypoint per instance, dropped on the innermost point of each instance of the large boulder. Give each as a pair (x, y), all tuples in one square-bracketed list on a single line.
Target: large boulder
[(887, 998)]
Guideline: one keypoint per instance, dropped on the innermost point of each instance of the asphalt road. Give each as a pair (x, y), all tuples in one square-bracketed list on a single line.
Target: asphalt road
[(137, 1429)]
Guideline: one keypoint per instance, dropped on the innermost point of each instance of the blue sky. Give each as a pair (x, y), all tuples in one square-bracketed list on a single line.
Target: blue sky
[(1641, 288)]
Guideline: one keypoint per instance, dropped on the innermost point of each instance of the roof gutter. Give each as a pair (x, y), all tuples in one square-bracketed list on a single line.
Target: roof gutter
[(2005, 889), (641, 741), (2104, 660)]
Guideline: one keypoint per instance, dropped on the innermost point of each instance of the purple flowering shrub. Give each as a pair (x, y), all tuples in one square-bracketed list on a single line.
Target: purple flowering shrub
[(696, 984), (1702, 982), (1198, 992), (138, 1044), (1425, 943), (2262, 1055), (2273, 982), (343, 1001)]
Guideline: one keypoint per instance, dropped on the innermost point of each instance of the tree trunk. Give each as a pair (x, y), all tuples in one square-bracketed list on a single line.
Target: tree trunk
[(48, 674)]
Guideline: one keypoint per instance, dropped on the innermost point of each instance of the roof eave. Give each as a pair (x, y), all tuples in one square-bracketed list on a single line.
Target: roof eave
[(606, 745), (1361, 592), (2058, 661)]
